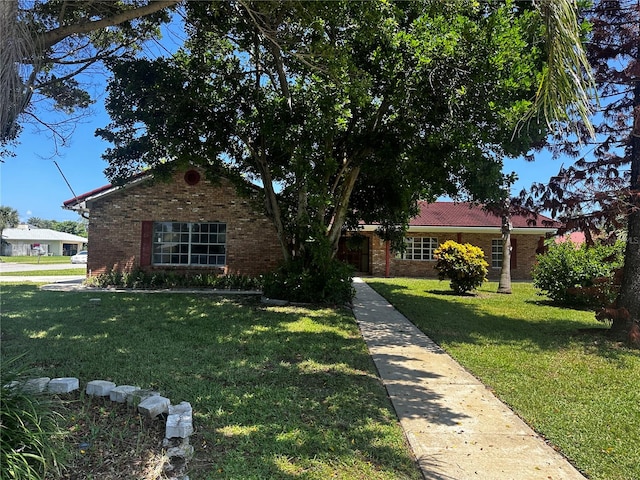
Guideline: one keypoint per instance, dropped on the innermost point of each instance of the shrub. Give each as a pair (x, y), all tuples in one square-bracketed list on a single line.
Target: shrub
[(27, 428), (578, 276), (464, 265), (141, 279), (327, 283)]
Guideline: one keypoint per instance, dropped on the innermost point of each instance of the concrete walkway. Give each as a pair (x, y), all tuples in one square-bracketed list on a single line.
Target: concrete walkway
[(457, 428)]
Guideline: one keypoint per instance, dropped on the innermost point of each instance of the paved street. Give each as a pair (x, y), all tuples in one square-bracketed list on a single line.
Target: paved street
[(6, 267)]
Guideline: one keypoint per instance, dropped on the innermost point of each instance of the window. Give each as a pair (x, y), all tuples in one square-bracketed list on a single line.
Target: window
[(496, 253), (180, 243), (419, 248)]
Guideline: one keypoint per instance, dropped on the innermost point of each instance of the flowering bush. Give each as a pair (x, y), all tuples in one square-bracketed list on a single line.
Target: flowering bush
[(464, 265)]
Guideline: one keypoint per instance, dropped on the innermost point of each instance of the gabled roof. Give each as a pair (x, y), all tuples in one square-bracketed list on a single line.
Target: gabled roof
[(453, 214), (79, 203), (40, 234), (467, 217)]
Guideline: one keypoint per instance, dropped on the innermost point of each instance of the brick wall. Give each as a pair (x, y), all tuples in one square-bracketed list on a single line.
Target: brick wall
[(115, 225), (525, 253)]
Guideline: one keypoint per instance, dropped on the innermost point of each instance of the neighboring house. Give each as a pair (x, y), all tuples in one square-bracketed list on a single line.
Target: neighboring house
[(441, 221), (577, 238), (26, 240), (191, 224), (187, 225)]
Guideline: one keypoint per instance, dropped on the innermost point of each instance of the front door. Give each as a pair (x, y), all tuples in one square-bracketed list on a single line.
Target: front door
[(354, 250)]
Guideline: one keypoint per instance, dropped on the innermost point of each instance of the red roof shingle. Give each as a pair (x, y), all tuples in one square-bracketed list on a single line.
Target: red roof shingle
[(452, 214)]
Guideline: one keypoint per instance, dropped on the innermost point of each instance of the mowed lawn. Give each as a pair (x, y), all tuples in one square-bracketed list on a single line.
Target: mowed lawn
[(572, 385), (277, 392)]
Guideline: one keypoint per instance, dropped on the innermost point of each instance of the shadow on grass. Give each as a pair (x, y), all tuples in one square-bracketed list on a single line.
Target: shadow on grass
[(467, 320), (277, 392)]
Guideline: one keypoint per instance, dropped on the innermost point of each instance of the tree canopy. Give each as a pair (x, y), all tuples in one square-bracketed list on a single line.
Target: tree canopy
[(9, 218), (46, 44), (600, 191), (67, 226), (342, 111)]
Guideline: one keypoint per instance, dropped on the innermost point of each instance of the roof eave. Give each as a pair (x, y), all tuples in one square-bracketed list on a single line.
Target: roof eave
[(464, 229)]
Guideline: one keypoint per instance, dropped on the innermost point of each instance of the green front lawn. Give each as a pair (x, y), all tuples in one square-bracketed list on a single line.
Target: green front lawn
[(36, 259), (277, 392), (46, 273), (569, 382)]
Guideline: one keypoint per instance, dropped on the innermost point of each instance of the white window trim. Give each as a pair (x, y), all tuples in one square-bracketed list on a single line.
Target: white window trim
[(189, 254), (496, 256), (410, 242)]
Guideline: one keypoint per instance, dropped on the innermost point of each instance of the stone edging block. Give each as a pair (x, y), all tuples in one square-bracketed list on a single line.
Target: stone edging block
[(179, 424), (180, 421), (154, 406), (121, 393), (63, 385), (100, 388)]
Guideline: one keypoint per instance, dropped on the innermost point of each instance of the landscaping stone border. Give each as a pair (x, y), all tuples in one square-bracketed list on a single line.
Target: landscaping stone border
[(179, 418)]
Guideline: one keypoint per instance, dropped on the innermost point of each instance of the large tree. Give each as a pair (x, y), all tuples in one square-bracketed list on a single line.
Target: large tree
[(601, 190), (340, 110), (9, 218), (46, 44)]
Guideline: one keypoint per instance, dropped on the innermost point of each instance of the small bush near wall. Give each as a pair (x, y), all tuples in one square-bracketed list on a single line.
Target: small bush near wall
[(144, 280), (581, 276), (330, 283), (464, 265)]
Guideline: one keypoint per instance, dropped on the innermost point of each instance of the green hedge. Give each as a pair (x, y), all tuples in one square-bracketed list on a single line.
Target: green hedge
[(578, 276)]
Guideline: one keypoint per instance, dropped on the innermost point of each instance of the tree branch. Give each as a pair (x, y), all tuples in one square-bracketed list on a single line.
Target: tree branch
[(54, 36)]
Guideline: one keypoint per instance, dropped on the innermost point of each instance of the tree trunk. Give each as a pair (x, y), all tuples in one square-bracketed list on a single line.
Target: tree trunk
[(629, 297), (341, 209), (504, 286)]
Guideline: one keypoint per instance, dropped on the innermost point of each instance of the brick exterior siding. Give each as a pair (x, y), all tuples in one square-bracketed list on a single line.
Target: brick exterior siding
[(525, 253), (115, 225)]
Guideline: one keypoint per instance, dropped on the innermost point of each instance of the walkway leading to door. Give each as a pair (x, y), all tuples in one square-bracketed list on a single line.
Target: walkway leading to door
[(456, 427)]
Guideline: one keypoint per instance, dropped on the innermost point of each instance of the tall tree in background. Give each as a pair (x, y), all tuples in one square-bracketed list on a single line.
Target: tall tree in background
[(341, 110), (67, 226), (601, 190), (9, 218), (46, 44)]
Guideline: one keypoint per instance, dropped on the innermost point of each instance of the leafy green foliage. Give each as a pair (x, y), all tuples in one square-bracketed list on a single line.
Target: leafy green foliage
[(566, 273), (52, 42), (27, 427), (329, 283), (342, 111), (9, 217), (463, 264), (67, 226), (140, 279)]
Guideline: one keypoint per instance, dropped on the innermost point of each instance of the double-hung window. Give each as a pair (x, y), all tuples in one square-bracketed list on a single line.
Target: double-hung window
[(419, 248), (182, 243), (496, 253)]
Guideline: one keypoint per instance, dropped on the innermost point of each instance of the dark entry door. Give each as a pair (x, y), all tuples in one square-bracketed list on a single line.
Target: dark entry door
[(355, 251)]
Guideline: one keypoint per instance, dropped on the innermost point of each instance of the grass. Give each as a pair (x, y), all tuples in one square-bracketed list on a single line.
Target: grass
[(47, 273), (36, 259), (552, 365), (277, 392)]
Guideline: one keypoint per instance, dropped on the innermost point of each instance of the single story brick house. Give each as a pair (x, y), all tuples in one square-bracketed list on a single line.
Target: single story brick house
[(30, 241), (185, 225), (191, 224), (461, 222)]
